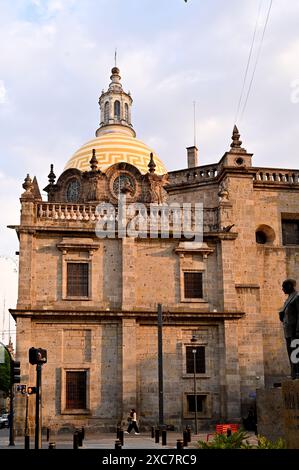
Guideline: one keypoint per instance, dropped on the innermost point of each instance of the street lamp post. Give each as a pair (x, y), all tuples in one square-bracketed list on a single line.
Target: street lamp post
[(194, 350)]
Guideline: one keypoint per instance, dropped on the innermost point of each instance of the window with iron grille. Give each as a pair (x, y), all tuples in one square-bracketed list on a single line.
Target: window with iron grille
[(290, 232), (200, 360), (77, 279), (75, 390), (200, 403), (193, 285)]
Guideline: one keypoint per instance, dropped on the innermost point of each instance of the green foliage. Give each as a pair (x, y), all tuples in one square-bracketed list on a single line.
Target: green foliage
[(5, 373), (238, 440), (222, 441), (264, 443)]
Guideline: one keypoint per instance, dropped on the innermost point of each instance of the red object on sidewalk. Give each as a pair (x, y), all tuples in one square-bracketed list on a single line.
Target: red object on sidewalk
[(223, 428)]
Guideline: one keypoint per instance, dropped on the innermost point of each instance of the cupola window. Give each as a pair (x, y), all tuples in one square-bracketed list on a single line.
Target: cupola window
[(126, 112), (117, 109), (106, 112)]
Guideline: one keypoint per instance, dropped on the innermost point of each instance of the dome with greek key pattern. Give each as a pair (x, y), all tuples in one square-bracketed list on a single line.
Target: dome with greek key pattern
[(115, 147)]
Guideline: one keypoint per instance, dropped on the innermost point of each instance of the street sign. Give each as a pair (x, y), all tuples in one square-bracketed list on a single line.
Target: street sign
[(21, 388)]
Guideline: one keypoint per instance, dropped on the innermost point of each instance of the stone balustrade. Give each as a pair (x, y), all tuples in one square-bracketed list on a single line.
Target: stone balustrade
[(273, 175), (157, 216), (193, 175)]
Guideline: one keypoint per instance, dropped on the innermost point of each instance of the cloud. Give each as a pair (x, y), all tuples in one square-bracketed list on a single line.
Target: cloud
[(3, 93)]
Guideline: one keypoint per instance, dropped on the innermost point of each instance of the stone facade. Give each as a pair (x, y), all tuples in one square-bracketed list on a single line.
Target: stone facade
[(111, 333)]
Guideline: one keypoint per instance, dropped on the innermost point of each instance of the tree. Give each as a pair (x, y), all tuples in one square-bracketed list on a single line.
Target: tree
[(5, 372)]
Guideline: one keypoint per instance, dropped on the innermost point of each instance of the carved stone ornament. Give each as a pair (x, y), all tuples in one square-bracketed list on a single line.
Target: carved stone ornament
[(28, 186), (223, 193), (158, 194)]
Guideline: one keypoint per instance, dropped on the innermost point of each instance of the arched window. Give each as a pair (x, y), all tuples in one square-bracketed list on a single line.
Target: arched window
[(106, 112), (117, 109), (126, 112)]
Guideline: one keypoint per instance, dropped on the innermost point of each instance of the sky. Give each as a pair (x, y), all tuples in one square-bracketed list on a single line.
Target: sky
[(56, 57)]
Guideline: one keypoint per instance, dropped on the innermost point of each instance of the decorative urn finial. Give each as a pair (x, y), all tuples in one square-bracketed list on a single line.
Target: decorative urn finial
[(51, 175), (151, 165), (27, 185), (93, 162)]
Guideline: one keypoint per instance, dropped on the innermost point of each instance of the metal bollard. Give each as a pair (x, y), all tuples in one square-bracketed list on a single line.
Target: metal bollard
[(27, 442), (179, 444), (157, 436), (75, 440), (185, 438), (153, 432), (48, 434), (121, 436), (52, 445), (188, 429), (117, 445), (164, 437), (80, 438)]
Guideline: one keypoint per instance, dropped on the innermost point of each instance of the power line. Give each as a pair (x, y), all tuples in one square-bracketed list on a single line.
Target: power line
[(257, 58), (248, 60)]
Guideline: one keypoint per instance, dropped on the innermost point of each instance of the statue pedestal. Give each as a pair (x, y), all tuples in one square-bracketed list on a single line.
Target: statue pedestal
[(269, 407), (278, 413), (290, 396)]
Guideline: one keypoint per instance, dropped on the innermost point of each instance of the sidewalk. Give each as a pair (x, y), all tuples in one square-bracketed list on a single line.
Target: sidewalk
[(107, 441)]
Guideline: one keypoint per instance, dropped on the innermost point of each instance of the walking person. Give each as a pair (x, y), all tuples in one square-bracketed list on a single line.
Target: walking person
[(132, 419)]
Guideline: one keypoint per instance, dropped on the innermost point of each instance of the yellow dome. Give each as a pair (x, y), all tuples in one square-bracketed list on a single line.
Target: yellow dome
[(113, 148)]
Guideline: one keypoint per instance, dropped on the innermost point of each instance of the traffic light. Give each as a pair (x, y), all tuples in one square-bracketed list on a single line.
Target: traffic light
[(31, 390), (37, 356), (15, 372)]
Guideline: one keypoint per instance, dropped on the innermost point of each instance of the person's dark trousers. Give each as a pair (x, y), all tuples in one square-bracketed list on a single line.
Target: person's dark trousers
[(133, 425), (294, 367)]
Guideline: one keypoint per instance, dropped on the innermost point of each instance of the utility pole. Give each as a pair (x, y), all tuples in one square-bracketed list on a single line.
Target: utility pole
[(38, 356), (27, 438), (160, 366), (37, 405)]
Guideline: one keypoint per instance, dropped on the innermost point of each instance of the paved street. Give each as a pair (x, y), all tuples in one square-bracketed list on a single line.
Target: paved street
[(107, 441)]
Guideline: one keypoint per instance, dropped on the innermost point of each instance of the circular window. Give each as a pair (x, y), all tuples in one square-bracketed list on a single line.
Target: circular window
[(264, 234), (123, 183), (239, 161), (73, 191)]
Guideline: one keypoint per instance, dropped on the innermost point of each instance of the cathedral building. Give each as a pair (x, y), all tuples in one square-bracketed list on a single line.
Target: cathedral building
[(91, 300)]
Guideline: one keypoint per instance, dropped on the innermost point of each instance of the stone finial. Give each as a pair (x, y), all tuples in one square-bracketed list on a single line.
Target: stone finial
[(35, 189), (93, 162), (151, 165), (51, 175), (28, 186), (236, 142)]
